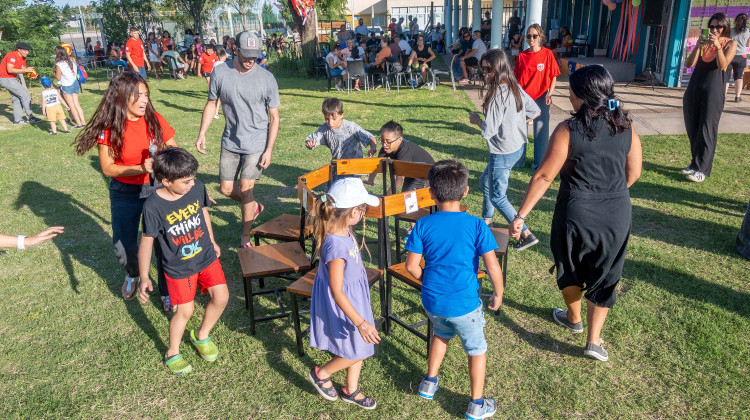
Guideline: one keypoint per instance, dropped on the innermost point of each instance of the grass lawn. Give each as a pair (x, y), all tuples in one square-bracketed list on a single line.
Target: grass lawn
[(678, 337)]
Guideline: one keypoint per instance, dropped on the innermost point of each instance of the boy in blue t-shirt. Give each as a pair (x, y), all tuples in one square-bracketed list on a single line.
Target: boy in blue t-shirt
[(452, 242)]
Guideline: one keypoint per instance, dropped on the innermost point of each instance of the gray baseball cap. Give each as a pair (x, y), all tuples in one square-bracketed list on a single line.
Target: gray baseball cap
[(249, 44)]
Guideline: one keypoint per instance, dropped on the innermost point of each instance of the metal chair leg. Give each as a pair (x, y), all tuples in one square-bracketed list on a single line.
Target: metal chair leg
[(251, 304), (297, 330), (388, 300), (429, 337)]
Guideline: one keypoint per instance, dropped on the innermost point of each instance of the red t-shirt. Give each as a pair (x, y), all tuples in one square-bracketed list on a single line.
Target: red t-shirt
[(135, 142), (165, 42), (207, 62), (137, 53), (535, 70), (392, 28), (13, 57)]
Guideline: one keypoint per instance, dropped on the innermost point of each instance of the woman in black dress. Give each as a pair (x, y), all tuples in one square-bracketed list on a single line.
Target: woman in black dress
[(598, 156), (704, 97)]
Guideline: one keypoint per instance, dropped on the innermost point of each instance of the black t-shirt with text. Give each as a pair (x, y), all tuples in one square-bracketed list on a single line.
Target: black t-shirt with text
[(182, 231)]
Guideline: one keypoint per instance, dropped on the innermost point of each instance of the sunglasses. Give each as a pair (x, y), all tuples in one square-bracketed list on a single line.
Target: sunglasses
[(532, 36), (717, 27)]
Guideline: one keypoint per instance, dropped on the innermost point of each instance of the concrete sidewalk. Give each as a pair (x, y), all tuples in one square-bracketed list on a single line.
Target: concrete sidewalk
[(657, 111)]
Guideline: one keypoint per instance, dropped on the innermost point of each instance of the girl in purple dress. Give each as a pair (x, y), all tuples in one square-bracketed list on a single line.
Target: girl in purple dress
[(341, 314)]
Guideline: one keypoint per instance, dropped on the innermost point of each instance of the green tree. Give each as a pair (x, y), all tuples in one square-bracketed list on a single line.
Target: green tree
[(243, 9), (196, 9), (16, 18)]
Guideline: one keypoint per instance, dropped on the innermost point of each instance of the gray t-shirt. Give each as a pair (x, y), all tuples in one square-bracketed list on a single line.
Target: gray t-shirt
[(741, 39), (345, 142), (504, 128), (245, 100)]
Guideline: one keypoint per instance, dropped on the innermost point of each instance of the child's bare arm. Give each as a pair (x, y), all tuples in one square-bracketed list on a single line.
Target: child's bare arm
[(144, 264), (496, 276), (211, 232), (412, 265), (373, 147), (336, 279)]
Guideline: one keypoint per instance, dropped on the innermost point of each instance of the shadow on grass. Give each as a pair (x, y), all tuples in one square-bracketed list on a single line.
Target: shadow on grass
[(54, 207), (540, 341), (683, 196), (178, 107), (689, 286)]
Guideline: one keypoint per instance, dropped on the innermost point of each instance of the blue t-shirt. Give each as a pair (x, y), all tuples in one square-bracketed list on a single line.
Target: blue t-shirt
[(451, 243)]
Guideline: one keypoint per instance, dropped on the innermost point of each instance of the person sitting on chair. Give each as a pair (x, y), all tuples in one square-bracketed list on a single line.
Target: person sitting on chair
[(179, 61), (471, 58), (420, 58)]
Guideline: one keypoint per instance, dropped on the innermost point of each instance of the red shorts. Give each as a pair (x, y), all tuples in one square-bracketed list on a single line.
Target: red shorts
[(183, 290)]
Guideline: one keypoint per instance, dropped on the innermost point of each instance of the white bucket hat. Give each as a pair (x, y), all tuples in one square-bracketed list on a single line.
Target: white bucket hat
[(351, 192)]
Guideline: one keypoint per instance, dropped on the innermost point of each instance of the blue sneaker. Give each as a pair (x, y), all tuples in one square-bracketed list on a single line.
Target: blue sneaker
[(486, 410), (427, 389)]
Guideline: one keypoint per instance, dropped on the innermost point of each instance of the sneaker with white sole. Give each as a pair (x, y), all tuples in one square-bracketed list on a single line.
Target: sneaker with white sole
[(596, 352), (129, 288), (561, 317), (427, 389), (526, 242), (697, 176), (486, 410), (687, 171)]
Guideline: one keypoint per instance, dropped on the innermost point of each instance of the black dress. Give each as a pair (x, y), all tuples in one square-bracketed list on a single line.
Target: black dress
[(702, 106), (591, 224)]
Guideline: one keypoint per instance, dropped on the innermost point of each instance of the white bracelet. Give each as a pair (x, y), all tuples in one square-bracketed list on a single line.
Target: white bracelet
[(19, 244)]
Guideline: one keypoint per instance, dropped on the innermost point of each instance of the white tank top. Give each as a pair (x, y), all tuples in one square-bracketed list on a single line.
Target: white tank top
[(68, 76)]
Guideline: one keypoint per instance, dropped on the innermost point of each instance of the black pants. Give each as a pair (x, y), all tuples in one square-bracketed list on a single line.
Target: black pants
[(126, 205), (702, 110)]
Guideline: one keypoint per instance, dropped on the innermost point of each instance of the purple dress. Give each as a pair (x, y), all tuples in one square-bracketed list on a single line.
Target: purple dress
[(330, 328)]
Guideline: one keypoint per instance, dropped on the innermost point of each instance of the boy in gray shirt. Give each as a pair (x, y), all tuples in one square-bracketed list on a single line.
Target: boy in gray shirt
[(344, 138)]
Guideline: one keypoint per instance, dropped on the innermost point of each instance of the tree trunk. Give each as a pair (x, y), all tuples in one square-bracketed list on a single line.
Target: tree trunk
[(308, 32)]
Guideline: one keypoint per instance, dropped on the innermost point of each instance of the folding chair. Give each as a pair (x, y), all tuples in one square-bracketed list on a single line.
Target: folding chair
[(320, 64), (172, 64), (355, 69), (290, 227), (112, 68)]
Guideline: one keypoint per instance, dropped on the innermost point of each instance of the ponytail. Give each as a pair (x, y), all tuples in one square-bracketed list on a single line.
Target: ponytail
[(740, 23)]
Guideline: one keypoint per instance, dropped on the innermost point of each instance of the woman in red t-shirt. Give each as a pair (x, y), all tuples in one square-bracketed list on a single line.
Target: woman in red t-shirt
[(537, 70), (123, 127)]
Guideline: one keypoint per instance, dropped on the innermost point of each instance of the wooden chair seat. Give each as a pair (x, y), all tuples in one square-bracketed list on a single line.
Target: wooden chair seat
[(284, 227), (273, 259), (304, 285), (501, 237), (399, 271)]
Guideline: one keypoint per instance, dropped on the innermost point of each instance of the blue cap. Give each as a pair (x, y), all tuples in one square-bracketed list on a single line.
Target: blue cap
[(46, 82)]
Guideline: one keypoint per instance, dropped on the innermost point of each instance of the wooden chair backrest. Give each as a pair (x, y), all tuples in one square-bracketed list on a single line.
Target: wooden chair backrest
[(396, 203), (307, 182), (363, 166), (410, 169)]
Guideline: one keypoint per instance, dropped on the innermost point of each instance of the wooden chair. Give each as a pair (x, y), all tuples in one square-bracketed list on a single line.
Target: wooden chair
[(408, 170), (290, 227), (365, 166)]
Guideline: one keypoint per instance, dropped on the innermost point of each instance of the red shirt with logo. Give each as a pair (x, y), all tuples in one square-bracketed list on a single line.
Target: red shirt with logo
[(535, 70), (135, 142), (207, 62), (137, 53), (15, 58)]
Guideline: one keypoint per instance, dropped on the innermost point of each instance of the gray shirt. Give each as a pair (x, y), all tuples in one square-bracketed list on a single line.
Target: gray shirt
[(245, 100), (741, 39), (504, 128), (345, 142)]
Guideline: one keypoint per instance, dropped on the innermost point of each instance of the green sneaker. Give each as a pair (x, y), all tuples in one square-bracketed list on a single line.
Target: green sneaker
[(206, 348), (178, 365)]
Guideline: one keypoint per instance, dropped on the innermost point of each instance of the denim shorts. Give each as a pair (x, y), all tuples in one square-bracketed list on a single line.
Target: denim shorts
[(469, 328), (72, 89)]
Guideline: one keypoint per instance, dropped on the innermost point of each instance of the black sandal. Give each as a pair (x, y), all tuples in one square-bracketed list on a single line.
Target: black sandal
[(367, 403), (328, 393)]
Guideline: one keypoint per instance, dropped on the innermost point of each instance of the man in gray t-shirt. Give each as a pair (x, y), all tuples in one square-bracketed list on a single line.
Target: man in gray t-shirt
[(250, 100)]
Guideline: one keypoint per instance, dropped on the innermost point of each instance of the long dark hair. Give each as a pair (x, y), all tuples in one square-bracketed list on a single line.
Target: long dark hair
[(740, 23), (498, 71), (595, 87), (723, 21), (62, 55), (112, 113)]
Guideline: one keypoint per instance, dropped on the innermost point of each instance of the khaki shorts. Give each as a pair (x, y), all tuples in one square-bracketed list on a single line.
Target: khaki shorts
[(244, 166), (55, 113)]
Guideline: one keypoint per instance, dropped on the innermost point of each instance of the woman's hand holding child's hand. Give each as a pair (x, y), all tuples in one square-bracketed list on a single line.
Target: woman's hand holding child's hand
[(515, 228), (368, 333)]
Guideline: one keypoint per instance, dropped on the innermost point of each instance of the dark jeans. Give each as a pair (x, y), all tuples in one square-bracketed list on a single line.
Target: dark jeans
[(126, 204)]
